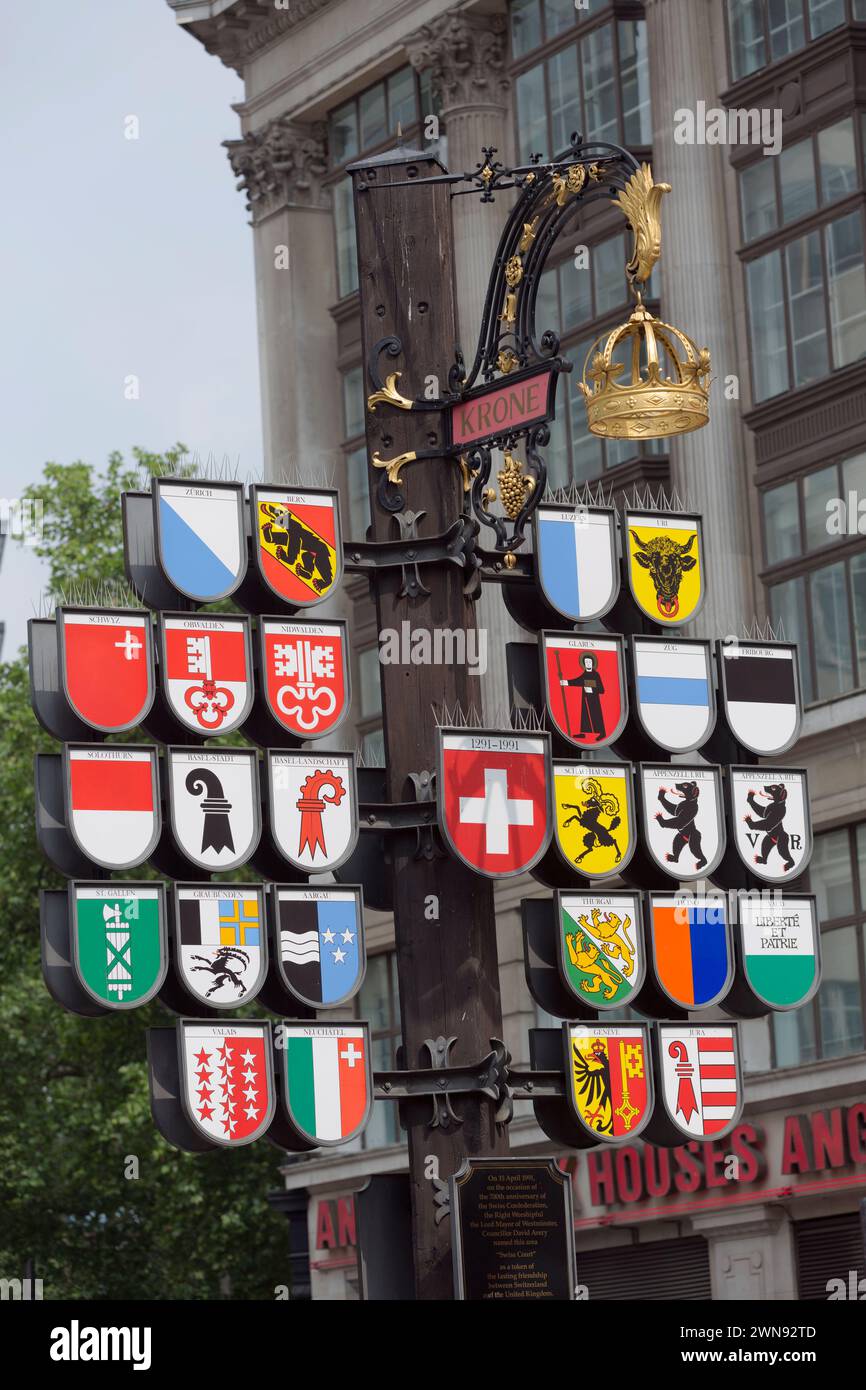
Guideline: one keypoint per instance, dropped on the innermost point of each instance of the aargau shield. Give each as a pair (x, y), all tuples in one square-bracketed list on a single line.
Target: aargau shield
[(701, 1083), (675, 701), (220, 942), (664, 560), (327, 1080), (321, 951), (594, 816), (770, 821), (600, 947), (214, 803), (690, 937), (781, 948), (200, 536), (106, 665), (608, 1078), (494, 799), (207, 670), (584, 685), (227, 1079), (575, 555), (306, 674), (112, 802), (683, 823), (760, 686), (118, 939), (314, 808), (296, 542)]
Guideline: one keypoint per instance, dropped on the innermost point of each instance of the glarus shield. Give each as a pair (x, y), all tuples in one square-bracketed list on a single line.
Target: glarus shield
[(600, 947), (584, 684), (314, 808), (608, 1078), (106, 665), (118, 941), (327, 1080), (494, 799), (683, 823), (215, 807), (296, 543), (664, 560), (207, 671), (594, 815), (770, 819), (227, 1079), (200, 536), (112, 802), (220, 942), (305, 674)]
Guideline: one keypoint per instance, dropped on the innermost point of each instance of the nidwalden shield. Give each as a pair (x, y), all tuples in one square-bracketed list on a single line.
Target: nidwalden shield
[(227, 1079), (608, 1078), (584, 686), (664, 560), (207, 670), (106, 665), (200, 536), (112, 802), (684, 828), (594, 816), (214, 802), (314, 808), (700, 1085), (494, 799), (760, 688), (321, 952), (770, 820), (575, 556), (674, 695), (297, 543), (220, 945), (327, 1080), (305, 674), (600, 947), (118, 941), (690, 952), (780, 947)]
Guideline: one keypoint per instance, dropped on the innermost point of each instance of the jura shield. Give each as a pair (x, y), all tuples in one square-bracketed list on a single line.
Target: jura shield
[(118, 941), (220, 942), (494, 799), (700, 1084), (305, 674), (584, 687), (683, 823), (576, 566), (691, 948), (600, 947), (297, 544), (760, 687), (314, 808), (112, 803), (106, 665), (207, 671), (227, 1079), (780, 945), (200, 536), (320, 935), (674, 697), (327, 1080), (664, 560), (215, 807), (770, 819), (608, 1078), (594, 816)]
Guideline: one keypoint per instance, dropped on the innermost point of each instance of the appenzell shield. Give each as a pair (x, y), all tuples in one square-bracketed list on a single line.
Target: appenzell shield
[(297, 544), (494, 799), (701, 1083), (118, 940), (683, 821), (608, 1078), (594, 816), (760, 687), (207, 671), (314, 808), (674, 689), (106, 665), (691, 951), (200, 536), (220, 946), (321, 951), (306, 674), (327, 1080), (112, 802), (584, 687), (780, 947), (227, 1079), (214, 801), (577, 570), (770, 819), (664, 560), (600, 947)]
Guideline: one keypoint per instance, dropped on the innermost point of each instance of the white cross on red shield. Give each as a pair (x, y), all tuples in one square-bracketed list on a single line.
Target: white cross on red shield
[(494, 799)]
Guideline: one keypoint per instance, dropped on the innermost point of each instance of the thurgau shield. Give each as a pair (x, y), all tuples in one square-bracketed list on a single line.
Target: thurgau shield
[(683, 823), (297, 544), (106, 665), (327, 1080), (220, 946), (305, 670), (118, 940), (320, 943), (584, 685), (674, 696), (594, 817), (600, 947), (112, 802), (760, 687), (608, 1078), (227, 1079), (207, 670), (771, 823), (690, 945), (200, 536), (314, 808), (780, 945), (700, 1083), (494, 799), (214, 803), (664, 561), (575, 557)]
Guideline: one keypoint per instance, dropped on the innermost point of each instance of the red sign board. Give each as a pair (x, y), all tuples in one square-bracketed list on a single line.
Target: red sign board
[(505, 408)]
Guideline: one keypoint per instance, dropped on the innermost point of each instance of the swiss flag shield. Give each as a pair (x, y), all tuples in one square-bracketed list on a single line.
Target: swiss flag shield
[(494, 799), (106, 665), (306, 675)]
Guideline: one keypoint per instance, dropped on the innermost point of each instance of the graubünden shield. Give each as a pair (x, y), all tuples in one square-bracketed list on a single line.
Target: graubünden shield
[(207, 670), (227, 1079), (584, 685), (314, 808), (214, 801), (700, 1084), (770, 820), (760, 689), (594, 817), (200, 536), (683, 822), (320, 943), (220, 946), (664, 560), (297, 543), (327, 1080), (575, 556), (494, 799), (112, 802), (305, 669), (780, 945), (118, 937), (600, 947), (674, 696), (106, 665), (608, 1078), (690, 948)]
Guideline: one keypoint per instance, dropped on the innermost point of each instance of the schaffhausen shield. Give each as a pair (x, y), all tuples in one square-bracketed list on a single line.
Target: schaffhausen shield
[(760, 688), (683, 823), (227, 1079), (320, 945), (112, 802), (106, 665), (494, 799), (327, 1080), (214, 802), (220, 942), (770, 821), (305, 674), (600, 947), (780, 947), (207, 670), (575, 557), (296, 543), (701, 1085), (674, 696), (690, 948), (594, 817), (314, 808), (118, 940), (200, 536), (608, 1078), (584, 685), (664, 560)]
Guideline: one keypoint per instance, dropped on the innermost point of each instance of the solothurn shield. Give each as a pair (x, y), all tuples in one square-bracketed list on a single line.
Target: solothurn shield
[(494, 799), (594, 816), (314, 808), (584, 685), (760, 688), (227, 1079), (214, 802), (296, 543), (327, 1080), (576, 566), (112, 802), (207, 670), (220, 942), (200, 536), (781, 948), (320, 945), (690, 948), (608, 1078), (118, 941), (306, 674), (683, 823), (664, 560), (701, 1084), (770, 820), (674, 696), (106, 665), (600, 947)]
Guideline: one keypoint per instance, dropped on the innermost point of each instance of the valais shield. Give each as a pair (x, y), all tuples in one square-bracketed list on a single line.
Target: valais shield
[(106, 665), (305, 674), (608, 1078), (207, 671), (683, 822), (594, 816), (584, 687), (770, 821), (215, 808), (691, 951), (494, 799), (321, 951), (118, 940), (673, 682), (220, 945), (327, 1080), (664, 560), (781, 948), (296, 542), (600, 947), (575, 554), (227, 1079), (760, 687), (700, 1083), (314, 808), (200, 536), (112, 802)]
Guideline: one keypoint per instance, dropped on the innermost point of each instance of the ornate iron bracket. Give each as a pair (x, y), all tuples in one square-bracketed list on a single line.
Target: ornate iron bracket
[(456, 546), (441, 1080), (524, 1084), (396, 816)]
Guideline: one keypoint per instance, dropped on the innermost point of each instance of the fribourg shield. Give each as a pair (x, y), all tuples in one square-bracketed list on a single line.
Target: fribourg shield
[(691, 948), (106, 665), (674, 691), (770, 820), (494, 799), (575, 550), (584, 687), (112, 802), (200, 536), (297, 544), (220, 942), (215, 808), (684, 827), (227, 1079), (327, 1080), (608, 1078), (594, 812), (118, 941), (306, 674), (700, 1083), (207, 671), (760, 685), (321, 948), (781, 951), (314, 808), (664, 559), (600, 947)]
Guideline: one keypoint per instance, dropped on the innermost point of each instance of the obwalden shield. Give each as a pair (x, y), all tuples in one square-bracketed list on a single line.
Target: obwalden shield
[(200, 536), (227, 1079), (584, 684), (207, 671), (608, 1078), (781, 948), (600, 947), (771, 821), (296, 542), (664, 559), (575, 550), (327, 1080), (691, 948), (118, 941), (684, 826), (674, 689), (594, 816)]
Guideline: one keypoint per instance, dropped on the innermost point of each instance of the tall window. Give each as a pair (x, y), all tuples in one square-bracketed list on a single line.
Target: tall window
[(368, 703), (378, 1002), (765, 31), (355, 452)]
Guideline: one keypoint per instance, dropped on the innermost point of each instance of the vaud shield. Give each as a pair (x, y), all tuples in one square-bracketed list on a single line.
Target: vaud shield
[(296, 542), (584, 685), (683, 824), (227, 1079), (698, 1079), (575, 557), (314, 808), (594, 816), (494, 799), (320, 945), (327, 1080), (214, 801), (664, 561), (220, 942), (760, 689), (305, 674), (780, 948), (207, 670), (690, 948), (106, 665), (112, 802), (200, 536), (118, 937), (600, 947), (674, 696), (770, 821), (608, 1078)]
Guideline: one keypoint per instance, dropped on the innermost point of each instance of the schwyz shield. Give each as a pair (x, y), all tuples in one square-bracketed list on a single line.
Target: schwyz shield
[(207, 671), (674, 697), (760, 687), (306, 675), (700, 1084), (327, 1080), (320, 944), (684, 827), (314, 808), (112, 803), (220, 942), (494, 799), (608, 1078), (200, 536), (106, 665), (664, 560), (297, 543), (584, 686), (691, 951), (575, 556), (770, 819), (118, 940), (215, 807), (227, 1079), (600, 947), (594, 816)]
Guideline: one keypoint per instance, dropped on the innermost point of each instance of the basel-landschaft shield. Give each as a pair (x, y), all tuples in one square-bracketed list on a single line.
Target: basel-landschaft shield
[(220, 942), (327, 1080), (683, 822), (700, 1084), (691, 948), (215, 808), (608, 1078), (297, 544), (664, 559), (584, 687), (600, 947), (227, 1079), (494, 799), (575, 550), (771, 821), (207, 671), (200, 536), (674, 691), (594, 815), (314, 808), (760, 687), (781, 948), (306, 674), (321, 949), (118, 941), (106, 665), (112, 802)]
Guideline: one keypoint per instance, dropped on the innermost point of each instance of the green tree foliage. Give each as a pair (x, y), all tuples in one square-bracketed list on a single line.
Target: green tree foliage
[(75, 1123)]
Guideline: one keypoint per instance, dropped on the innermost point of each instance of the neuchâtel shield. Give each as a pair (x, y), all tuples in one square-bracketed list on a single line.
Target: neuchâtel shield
[(664, 559), (314, 808), (306, 674), (760, 687), (594, 816), (112, 802), (700, 1083), (106, 665), (215, 808), (220, 945), (118, 941), (770, 820), (600, 947), (780, 948), (494, 799), (684, 827), (328, 1080), (608, 1078), (320, 943), (691, 948), (576, 566), (674, 689), (584, 687), (207, 670), (200, 536), (297, 543), (227, 1079)]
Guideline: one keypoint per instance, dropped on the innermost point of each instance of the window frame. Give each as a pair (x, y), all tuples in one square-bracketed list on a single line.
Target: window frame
[(770, 61)]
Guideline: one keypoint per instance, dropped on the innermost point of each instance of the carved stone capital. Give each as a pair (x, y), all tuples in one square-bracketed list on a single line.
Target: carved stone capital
[(281, 165), (467, 54)]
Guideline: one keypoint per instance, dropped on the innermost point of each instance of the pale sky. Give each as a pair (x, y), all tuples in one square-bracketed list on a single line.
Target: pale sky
[(119, 256)]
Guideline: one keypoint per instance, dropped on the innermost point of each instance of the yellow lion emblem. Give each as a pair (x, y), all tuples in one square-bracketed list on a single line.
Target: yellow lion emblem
[(585, 955)]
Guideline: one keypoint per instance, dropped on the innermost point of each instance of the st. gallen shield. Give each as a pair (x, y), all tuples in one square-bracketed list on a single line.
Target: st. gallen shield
[(594, 817), (207, 670), (584, 686), (296, 543), (305, 674), (780, 947), (214, 802), (200, 536), (760, 690), (314, 808), (112, 802), (600, 947), (683, 822), (575, 557), (700, 1085), (690, 948), (770, 821), (118, 937), (227, 1079), (674, 698), (327, 1080), (494, 799), (608, 1078), (106, 665), (220, 942), (664, 560), (320, 943)]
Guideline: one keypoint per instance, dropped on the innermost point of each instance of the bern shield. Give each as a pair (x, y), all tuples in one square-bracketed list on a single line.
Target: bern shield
[(296, 543)]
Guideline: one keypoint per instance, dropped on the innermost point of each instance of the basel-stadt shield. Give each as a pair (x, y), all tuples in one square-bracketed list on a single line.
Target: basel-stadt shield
[(594, 814), (306, 674), (220, 942), (494, 799), (227, 1079), (327, 1080), (608, 1078), (200, 536), (664, 559), (320, 936), (691, 948), (118, 941), (600, 947), (314, 808), (674, 691), (575, 552), (297, 544), (771, 822), (684, 826), (112, 802), (106, 665), (215, 808), (760, 686), (700, 1082), (781, 951), (584, 686), (207, 671)]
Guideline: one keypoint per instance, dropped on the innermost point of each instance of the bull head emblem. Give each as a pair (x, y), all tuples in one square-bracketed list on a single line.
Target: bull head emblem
[(667, 562)]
